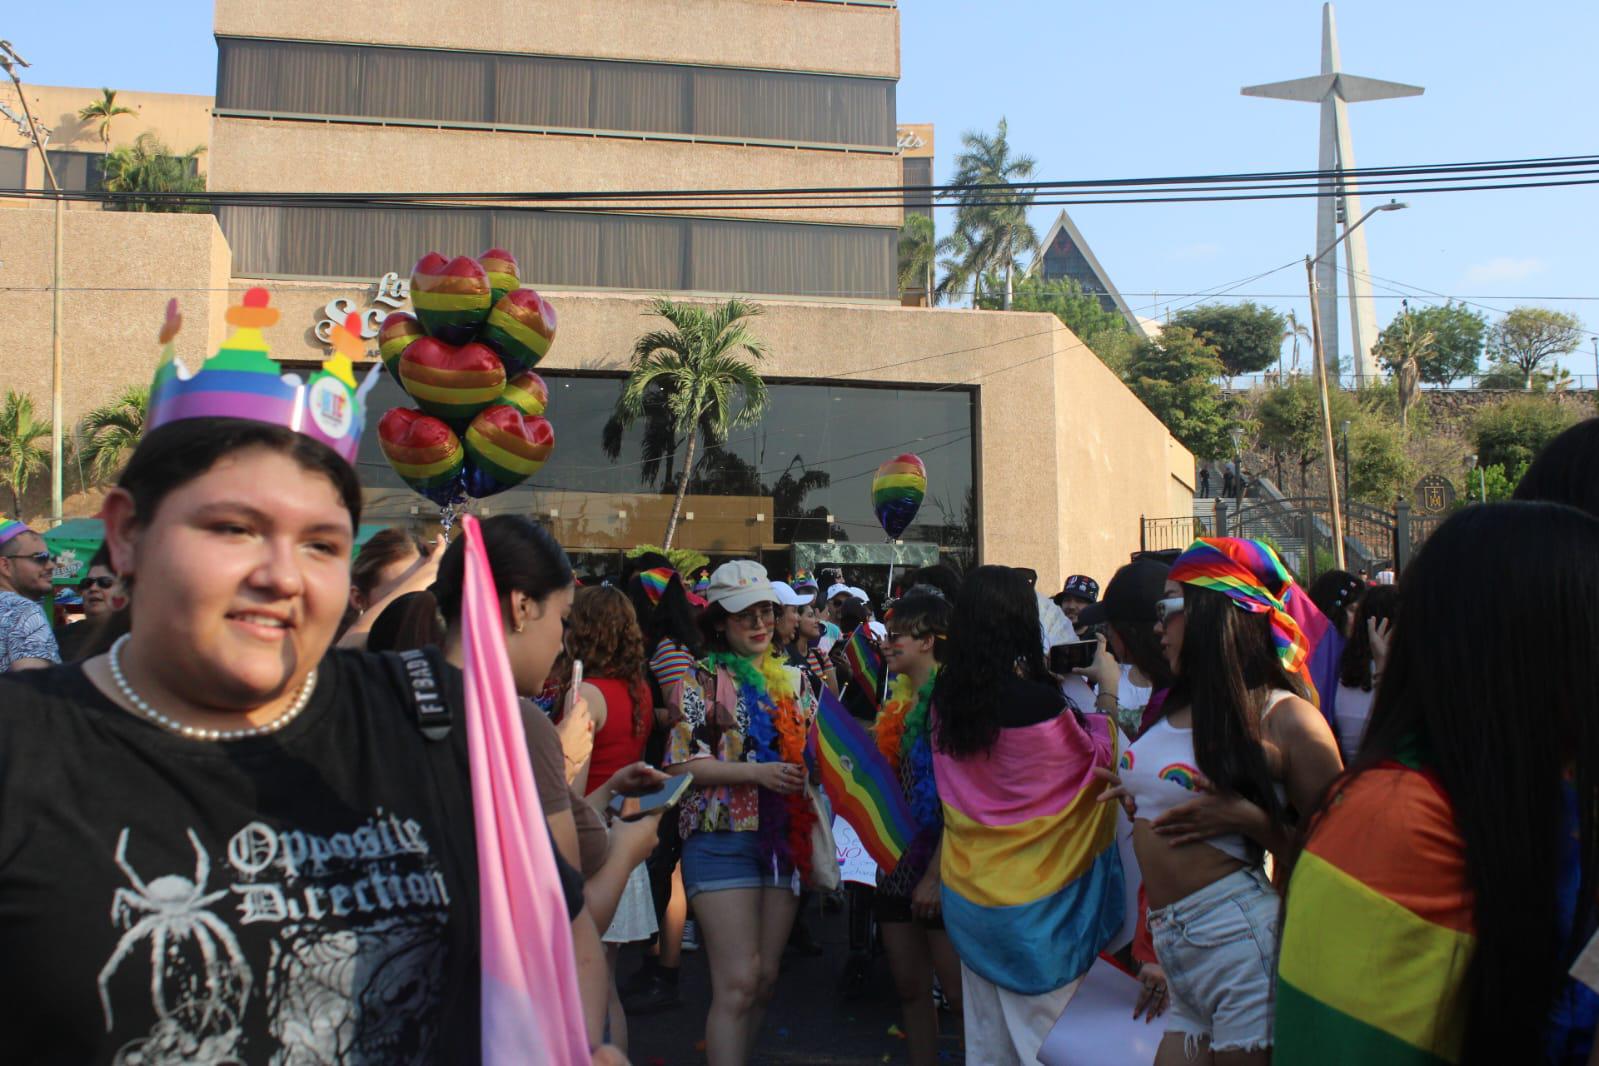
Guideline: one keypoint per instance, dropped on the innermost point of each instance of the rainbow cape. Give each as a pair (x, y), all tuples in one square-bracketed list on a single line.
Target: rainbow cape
[(860, 784), (865, 662), (1379, 930), (1033, 883)]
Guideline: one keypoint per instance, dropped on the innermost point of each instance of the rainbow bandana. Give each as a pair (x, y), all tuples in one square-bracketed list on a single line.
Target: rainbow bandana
[(10, 527), (656, 582), (1249, 573)]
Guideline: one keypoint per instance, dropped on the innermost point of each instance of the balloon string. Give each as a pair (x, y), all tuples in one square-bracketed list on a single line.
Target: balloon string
[(447, 518)]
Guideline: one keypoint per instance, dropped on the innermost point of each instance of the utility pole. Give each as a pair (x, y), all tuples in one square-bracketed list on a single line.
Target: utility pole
[(10, 61), (1326, 418)]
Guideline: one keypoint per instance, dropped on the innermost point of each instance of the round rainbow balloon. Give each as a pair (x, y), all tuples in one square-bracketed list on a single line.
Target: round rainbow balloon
[(395, 336), (424, 451), (527, 393), (897, 491), (504, 449)]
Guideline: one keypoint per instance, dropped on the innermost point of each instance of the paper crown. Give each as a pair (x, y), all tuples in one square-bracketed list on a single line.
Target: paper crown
[(242, 381), (10, 527)]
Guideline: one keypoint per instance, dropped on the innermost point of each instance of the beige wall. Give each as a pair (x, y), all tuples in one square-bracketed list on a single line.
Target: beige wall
[(181, 121), (770, 34), (276, 156)]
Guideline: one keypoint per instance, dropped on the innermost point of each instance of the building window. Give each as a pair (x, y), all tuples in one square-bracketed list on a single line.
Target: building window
[(358, 81), (13, 168), (77, 171), (570, 249), (917, 171), (769, 488)]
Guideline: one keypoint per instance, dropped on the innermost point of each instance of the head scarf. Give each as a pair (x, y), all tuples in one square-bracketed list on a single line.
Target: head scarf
[(656, 582), (1249, 573)]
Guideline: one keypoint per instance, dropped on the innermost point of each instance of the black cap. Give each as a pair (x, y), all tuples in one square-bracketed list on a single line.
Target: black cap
[(1082, 587), (1131, 594)]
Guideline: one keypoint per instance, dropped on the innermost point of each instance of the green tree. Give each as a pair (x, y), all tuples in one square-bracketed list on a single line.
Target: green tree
[(1529, 337), (1296, 331), (1248, 338), (111, 431), (1175, 376), (703, 367), (103, 111), (24, 451), (1457, 338), (1290, 423), (1405, 347), (1514, 430), (1379, 469), (1079, 311), (918, 257), (991, 228), (148, 166), (686, 561)]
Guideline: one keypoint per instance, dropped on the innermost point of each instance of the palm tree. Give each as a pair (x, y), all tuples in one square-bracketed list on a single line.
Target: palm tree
[(104, 110), (918, 255), (147, 166), (993, 220), (22, 456), (1294, 332), (703, 378), (112, 430)]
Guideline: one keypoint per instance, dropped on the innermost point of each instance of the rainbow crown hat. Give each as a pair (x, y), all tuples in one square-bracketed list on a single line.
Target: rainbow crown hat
[(242, 381), (10, 527)]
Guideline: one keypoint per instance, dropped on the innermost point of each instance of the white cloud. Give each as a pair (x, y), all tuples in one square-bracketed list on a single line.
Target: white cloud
[(1502, 268)]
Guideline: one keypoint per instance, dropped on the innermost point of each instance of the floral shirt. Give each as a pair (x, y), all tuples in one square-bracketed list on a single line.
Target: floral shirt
[(24, 632)]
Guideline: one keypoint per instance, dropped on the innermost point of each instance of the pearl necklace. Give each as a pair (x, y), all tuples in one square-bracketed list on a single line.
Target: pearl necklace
[(307, 688)]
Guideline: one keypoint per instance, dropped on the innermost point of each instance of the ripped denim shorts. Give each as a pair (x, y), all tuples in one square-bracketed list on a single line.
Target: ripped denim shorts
[(1218, 947)]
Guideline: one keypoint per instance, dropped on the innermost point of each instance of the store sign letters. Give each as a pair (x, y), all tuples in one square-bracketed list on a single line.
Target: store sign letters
[(393, 292)]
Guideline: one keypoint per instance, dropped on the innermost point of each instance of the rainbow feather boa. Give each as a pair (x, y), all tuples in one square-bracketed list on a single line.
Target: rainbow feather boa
[(777, 727), (901, 731)]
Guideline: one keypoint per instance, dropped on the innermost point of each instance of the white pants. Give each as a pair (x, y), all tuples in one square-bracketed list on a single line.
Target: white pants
[(1005, 1028)]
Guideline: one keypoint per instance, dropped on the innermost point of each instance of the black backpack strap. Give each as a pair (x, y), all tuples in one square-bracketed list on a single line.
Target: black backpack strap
[(417, 674)]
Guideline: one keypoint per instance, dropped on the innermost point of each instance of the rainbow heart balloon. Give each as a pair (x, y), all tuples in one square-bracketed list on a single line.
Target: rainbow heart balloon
[(897, 491), (527, 393), (500, 266), (521, 328), (395, 336), (452, 297), (424, 451), (449, 382), (504, 448)]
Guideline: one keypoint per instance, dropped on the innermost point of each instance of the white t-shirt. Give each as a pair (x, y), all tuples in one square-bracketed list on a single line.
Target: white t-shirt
[(1353, 711), (1129, 695)]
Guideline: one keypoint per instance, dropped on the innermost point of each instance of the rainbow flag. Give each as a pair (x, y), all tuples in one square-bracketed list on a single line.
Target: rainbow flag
[(531, 1012), (1379, 930), (860, 784), (1033, 883), (865, 662)]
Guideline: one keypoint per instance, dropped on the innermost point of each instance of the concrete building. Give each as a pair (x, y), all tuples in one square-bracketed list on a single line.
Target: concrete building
[(1037, 454)]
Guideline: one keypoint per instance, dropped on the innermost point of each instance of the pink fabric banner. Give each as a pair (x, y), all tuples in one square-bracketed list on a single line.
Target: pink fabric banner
[(531, 1009)]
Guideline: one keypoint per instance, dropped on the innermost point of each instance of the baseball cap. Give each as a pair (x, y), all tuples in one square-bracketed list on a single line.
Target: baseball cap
[(788, 597), (834, 591), (860, 594), (804, 581), (738, 585), (1131, 594), (1082, 587)]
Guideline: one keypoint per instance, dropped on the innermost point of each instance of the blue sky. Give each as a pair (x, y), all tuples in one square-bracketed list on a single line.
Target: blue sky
[(1118, 90)]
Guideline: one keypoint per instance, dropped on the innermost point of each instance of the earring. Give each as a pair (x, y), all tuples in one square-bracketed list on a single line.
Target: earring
[(518, 627)]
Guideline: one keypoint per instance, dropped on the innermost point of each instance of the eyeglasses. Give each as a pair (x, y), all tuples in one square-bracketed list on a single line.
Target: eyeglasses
[(751, 616), (96, 583), (1164, 609), (42, 558)]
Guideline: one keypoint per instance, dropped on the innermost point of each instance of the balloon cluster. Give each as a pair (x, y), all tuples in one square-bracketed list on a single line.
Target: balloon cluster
[(467, 357), (897, 491)]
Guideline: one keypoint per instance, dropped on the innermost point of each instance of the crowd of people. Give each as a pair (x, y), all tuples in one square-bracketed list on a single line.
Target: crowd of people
[(1361, 821)]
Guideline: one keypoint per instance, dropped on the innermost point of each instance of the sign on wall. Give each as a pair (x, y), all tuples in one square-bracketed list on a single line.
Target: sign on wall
[(392, 293)]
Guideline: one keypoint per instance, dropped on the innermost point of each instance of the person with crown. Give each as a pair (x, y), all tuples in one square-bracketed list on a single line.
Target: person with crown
[(220, 841)]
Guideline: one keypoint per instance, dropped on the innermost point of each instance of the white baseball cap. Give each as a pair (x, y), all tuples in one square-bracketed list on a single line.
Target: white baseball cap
[(859, 594), (838, 590), (738, 585), (788, 597)]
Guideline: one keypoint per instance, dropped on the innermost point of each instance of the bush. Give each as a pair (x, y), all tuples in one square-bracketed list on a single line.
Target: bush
[(1514, 430)]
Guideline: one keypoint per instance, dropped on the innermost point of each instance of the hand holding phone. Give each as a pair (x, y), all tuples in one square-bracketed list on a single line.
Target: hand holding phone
[(1076, 655), (575, 685), (664, 797)]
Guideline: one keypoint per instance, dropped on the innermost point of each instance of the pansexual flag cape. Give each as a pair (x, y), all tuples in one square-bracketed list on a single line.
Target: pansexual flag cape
[(860, 784), (1033, 883), (1379, 930), (866, 663)]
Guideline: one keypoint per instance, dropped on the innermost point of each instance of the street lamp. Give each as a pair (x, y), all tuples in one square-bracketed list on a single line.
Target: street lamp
[(1321, 378)]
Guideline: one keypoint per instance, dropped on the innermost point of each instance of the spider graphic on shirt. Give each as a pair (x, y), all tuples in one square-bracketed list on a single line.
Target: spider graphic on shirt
[(169, 911)]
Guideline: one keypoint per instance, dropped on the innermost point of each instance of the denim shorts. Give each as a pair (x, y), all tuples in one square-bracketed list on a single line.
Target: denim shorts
[(1218, 947), (715, 862)]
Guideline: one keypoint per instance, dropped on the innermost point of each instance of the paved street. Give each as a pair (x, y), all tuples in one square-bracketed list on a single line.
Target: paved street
[(810, 1020)]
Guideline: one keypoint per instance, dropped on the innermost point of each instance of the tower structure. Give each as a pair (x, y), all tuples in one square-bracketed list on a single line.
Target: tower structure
[(1339, 202)]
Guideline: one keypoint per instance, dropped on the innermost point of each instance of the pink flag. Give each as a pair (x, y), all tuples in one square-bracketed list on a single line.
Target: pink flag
[(531, 1009)]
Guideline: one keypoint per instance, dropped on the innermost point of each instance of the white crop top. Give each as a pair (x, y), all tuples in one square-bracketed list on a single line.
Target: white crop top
[(1159, 772)]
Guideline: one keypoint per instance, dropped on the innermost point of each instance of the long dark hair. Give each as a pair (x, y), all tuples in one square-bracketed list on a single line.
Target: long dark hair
[(993, 635), (1336, 594), (671, 618), (1567, 470), (1354, 669), (523, 557), (1142, 646), (1227, 664), (1504, 715), (604, 633)]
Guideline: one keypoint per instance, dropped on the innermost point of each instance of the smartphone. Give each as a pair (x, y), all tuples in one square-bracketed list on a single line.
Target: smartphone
[(1078, 654), (574, 687), (663, 798)]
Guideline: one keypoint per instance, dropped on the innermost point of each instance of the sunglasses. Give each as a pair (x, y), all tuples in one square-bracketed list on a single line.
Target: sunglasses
[(1164, 609), (42, 558), (96, 583), (750, 616)]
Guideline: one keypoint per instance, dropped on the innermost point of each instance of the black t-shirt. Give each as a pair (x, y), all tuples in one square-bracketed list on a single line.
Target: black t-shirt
[(305, 897), (1025, 703)]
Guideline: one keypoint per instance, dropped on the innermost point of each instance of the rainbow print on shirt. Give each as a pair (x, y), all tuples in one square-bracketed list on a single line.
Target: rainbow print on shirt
[(1180, 774)]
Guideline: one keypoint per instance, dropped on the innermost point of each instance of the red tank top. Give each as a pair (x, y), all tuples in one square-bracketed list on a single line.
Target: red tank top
[(615, 745)]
